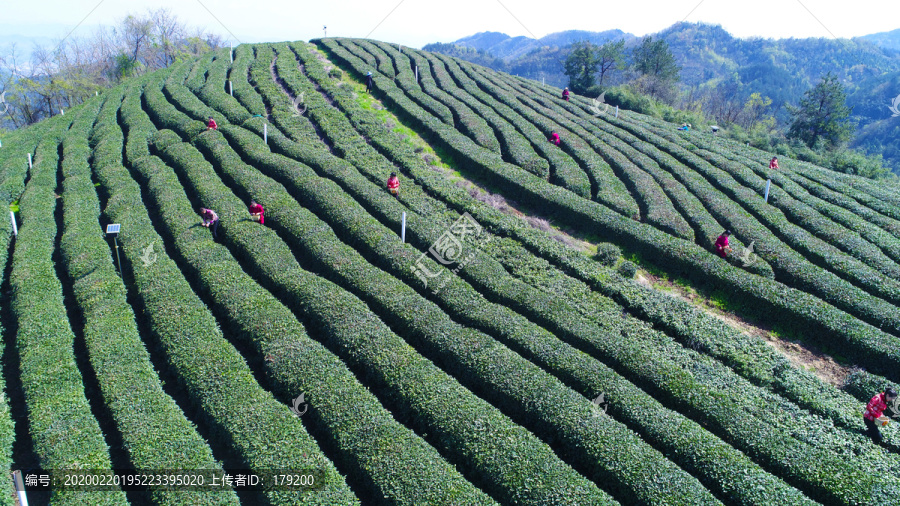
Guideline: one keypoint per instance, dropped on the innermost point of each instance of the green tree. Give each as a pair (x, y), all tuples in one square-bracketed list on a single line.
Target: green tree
[(822, 115), (656, 64), (754, 111), (611, 57), (124, 67), (581, 66)]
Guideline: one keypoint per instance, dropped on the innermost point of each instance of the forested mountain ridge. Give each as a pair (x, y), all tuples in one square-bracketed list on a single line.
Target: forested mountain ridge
[(509, 48), (714, 61), (885, 40)]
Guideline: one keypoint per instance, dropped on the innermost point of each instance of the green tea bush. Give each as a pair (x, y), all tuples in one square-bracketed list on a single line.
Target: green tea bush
[(505, 470), (155, 430), (627, 269), (64, 431), (608, 254)]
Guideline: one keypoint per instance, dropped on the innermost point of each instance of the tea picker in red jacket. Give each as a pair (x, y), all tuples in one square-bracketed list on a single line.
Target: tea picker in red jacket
[(257, 213), (773, 164), (722, 247), (554, 138), (393, 184), (874, 413), (566, 94), (212, 124)]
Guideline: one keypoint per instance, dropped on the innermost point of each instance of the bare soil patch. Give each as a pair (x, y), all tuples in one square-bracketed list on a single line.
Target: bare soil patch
[(509, 207), (800, 355)]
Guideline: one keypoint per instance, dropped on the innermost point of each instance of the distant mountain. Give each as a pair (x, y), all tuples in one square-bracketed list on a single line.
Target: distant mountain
[(509, 48), (781, 69), (709, 53), (488, 41), (886, 40)]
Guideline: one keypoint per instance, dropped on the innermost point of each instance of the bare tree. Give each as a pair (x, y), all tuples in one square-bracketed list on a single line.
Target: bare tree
[(134, 36), (79, 67), (166, 33)]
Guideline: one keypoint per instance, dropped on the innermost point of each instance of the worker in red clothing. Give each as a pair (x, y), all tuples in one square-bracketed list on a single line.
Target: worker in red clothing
[(566, 94), (773, 164), (210, 219), (393, 185), (875, 413), (722, 247), (554, 138), (257, 213), (212, 124)]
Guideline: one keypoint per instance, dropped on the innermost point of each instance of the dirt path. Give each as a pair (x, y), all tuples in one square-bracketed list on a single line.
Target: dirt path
[(800, 355), (505, 206)]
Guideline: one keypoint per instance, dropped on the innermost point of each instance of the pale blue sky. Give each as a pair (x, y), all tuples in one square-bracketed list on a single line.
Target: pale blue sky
[(417, 22)]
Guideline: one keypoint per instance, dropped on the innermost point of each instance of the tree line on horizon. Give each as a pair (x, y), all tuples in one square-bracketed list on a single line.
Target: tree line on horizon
[(645, 79), (55, 79)]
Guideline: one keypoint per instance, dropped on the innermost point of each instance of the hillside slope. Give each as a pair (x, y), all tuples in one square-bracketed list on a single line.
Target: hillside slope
[(480, 360)]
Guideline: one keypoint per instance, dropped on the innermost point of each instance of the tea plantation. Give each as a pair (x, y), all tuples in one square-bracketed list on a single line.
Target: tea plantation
[(480, 360)]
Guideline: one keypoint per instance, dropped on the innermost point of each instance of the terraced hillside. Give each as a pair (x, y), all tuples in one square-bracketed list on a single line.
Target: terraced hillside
[(481, 360)]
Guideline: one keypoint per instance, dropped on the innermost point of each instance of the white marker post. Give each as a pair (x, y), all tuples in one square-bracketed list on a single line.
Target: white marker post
[(403, 229), (12, 218), (417, 73), (230, 88), (62, 111), (30, 166), (1, 144), (20, 487), (112, 230), (266, 133), (768, 183), (231, 52), (617, 111)]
